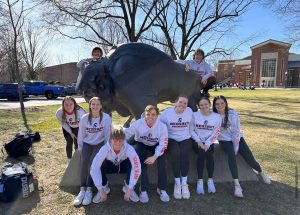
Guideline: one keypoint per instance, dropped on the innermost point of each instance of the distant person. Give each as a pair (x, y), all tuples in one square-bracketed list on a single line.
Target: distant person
[(116, 156), (178, 121), (97, 54), (69, 116), (151, 135), (199, 66), (205, 130), (94, 131), (232, 142)]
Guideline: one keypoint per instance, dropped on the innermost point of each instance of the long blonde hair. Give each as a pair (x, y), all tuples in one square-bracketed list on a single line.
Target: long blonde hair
[(90, 111), (76, 107)]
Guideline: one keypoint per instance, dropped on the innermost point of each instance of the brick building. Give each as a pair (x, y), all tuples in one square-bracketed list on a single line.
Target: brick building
[(64, 73), (270, 65)]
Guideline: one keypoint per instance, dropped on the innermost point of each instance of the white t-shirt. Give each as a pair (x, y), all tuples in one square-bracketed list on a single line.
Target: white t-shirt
[(107, 152), (206, 128), (71, 120), (202, 68), (95, 132), (158, 133), (178, 124)]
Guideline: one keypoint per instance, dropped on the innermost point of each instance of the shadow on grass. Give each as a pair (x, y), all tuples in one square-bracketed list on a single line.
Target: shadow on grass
[(274, 100), (259, 198), (275, 120)]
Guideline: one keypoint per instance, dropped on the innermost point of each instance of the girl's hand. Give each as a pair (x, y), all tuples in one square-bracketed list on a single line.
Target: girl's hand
[(73, 136), (103, 196), (127, 195), (150, 160), (204, 81), (205, 148)]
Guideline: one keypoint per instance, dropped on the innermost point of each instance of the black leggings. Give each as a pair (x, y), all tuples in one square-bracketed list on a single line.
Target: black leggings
[(180, 154), (69, 139), (87, 156), (201, 156), (109, 168), (142, 151), (246, 153)]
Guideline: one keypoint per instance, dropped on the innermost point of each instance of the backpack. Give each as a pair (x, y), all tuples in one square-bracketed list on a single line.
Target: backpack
[(22, 143), (16, 182)]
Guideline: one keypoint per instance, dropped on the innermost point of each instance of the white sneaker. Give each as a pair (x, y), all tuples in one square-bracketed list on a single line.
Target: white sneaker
[(106, 189), (133, 196), (87, 197), (185, 191), (177, 191), (211, 186), (163, 195), (200, 189), (238, 192), (265, 178), (144, 198), (97, 198), (78, 200)]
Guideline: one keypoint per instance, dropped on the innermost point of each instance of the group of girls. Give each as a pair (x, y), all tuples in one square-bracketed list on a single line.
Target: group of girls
[(104, 149)]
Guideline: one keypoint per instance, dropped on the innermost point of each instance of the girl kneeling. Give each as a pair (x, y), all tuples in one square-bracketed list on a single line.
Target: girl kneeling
[(116, 156)]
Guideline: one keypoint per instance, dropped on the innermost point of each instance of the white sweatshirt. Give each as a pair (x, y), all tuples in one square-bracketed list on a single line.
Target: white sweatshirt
[(158, 133), (203, 68), (206, 128), (82, 64), (95, 132), (232, 132), (178, 124), (70, 122), (107, 152)]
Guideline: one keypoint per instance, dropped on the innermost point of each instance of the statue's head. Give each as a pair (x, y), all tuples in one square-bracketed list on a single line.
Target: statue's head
[(95, 81)]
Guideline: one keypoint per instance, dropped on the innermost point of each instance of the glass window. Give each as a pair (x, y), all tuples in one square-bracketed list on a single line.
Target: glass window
[(268, 68)]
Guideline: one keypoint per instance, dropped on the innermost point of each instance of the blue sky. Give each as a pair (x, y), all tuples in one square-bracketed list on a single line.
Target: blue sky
[(258, 20)]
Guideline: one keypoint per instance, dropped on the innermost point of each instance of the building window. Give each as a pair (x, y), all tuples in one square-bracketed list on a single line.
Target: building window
[(268, 68)]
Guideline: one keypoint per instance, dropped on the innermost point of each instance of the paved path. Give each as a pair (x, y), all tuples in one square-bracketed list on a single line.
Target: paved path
[(34, 101)]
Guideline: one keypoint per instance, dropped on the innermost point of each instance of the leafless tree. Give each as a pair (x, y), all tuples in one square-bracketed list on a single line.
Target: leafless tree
[(13, 14), (288, 10), (33, 50), (191, 23), (102, 22)]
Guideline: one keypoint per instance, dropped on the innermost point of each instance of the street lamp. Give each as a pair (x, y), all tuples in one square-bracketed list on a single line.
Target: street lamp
[(285, 79)]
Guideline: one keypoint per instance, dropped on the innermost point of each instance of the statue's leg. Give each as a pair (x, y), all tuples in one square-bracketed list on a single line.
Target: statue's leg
[(209, 84), (128, 121)]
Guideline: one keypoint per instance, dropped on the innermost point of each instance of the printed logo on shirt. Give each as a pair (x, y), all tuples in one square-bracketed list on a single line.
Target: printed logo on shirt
[(205, 126), (165, 145), (71, 122), (149, 138), (179, 124), (94, 129), (136, 168)]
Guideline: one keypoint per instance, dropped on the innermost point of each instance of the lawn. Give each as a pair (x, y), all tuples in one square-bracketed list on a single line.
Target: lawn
[(271, 123)]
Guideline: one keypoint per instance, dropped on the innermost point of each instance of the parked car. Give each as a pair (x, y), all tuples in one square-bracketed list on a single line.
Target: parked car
[(10, 91), (70, 89), (42, 88)]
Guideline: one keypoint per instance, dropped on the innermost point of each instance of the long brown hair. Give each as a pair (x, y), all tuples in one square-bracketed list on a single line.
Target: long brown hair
[(90, 111), (76, 107), (224, 124)]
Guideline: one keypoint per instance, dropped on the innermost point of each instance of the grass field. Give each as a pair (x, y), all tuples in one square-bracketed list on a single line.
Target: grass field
[(271, 123)]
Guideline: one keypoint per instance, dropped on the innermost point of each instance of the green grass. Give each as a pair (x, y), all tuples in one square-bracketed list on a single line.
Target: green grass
[(271, 123)]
